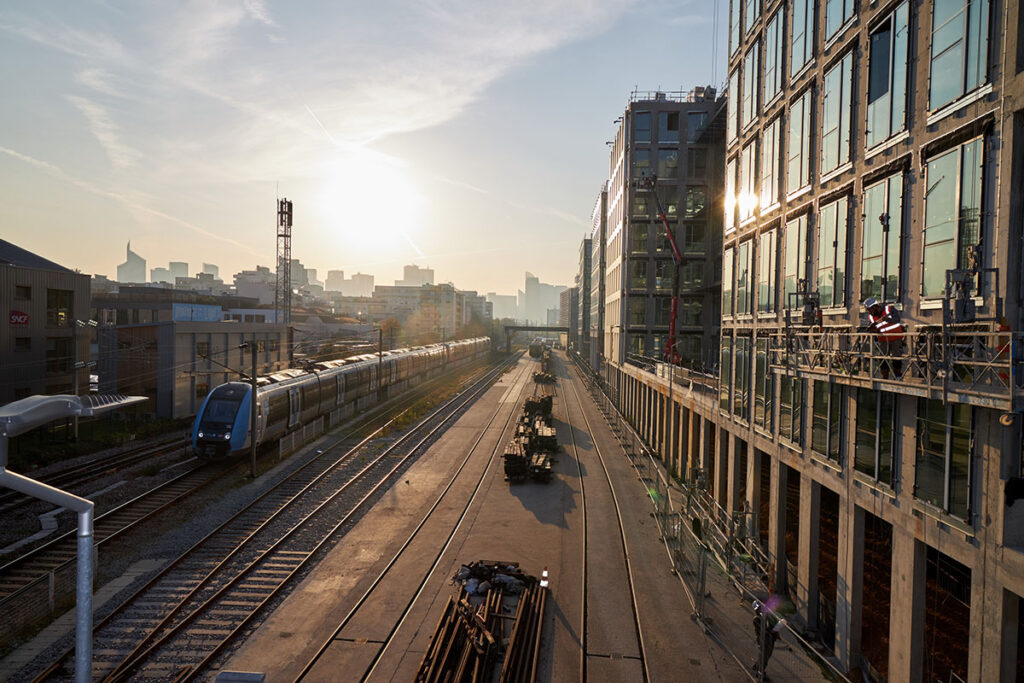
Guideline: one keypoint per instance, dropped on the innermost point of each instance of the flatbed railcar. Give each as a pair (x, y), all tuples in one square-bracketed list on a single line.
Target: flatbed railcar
[(289, 399)]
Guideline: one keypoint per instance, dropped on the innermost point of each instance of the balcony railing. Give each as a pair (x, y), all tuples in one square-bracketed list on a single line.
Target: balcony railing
[(964, 364)]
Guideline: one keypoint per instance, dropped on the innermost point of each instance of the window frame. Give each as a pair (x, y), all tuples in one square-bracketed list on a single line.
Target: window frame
[(892, 83), (984, 8), (827, 420), (764, 385), (748, 198), (799, 142), (795, 238), (806, 27), (891, 241), (751, 85), (728, 266), (766, 272), (881, 414), (949, 437), (774, 39), (771, 148), (744, 275), (837, 102), (835, 257)]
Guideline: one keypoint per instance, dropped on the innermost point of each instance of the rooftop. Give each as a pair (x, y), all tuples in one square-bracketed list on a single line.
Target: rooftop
[(13, 255)]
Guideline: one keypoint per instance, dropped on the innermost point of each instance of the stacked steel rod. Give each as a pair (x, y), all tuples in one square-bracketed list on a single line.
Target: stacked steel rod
[(470, 636)]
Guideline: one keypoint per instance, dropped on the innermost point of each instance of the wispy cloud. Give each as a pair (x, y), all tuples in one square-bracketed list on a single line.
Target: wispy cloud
[(257, 10), (106, 132), (123, 199)]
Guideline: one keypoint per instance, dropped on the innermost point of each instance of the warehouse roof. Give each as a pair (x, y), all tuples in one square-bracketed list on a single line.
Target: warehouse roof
[(13, 255)]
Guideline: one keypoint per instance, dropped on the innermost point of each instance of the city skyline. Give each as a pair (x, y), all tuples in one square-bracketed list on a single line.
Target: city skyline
[(177, 128)]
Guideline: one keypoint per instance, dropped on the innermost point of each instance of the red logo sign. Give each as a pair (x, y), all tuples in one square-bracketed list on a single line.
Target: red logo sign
[(19, 318)]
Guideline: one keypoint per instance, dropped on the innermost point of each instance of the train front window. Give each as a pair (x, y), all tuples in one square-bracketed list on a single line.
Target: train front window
[(220, 412)]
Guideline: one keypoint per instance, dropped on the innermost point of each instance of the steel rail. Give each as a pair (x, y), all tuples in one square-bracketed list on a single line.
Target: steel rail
[(408, 541), (151, 644), (362, 423), (622, 533)]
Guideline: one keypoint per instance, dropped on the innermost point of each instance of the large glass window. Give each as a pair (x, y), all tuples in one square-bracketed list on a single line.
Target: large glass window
[(730, 196), (638, 274), (59, 352), (725, 374), (799, 144), (773, 41), (744, 258), (59, 307), (770, 160), (732, 114), (887, 76), (750, 14), (640, 205), (695, 201), (943, 467), (952, 214), (642, 127), (689, 312), (664, 271), (697, 162), (741, 391), (668, 163), (696, 121), (734, 25), (826, 420), (883, 225), (750, 85), (795, 259), (832, 233), (663, 310), (668, 126), (641, 162), (876, 420), (836, 14), (727, 278), (764, 385), (638, 238), (836, 115), (766, 272), (637, 311), (802, 44), (747, 198), (959, 49), (791, 409)]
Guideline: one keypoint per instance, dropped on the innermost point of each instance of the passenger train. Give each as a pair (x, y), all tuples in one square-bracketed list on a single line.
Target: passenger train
[(290, 399)]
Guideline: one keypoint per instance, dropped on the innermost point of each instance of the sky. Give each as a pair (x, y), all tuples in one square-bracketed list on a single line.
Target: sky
[(467, 136)]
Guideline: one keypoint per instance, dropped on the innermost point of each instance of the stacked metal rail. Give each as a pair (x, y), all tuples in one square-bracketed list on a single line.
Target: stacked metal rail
[(470, 636), (528, 454)]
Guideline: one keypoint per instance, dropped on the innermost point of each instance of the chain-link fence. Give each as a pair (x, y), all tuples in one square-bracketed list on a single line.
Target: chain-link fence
[(715, 553)]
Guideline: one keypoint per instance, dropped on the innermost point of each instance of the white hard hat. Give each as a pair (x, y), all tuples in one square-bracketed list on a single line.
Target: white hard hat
[(755, 605), (870, 301)]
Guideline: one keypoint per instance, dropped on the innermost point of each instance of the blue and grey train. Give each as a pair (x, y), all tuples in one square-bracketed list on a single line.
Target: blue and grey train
[(290, 399)]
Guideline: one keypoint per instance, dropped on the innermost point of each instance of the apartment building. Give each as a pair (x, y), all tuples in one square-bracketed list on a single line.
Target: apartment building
[(874, 150), (677, 139)]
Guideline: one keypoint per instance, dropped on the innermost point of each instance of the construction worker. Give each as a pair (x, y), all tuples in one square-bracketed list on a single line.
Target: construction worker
[(767, 628), (885, 322)]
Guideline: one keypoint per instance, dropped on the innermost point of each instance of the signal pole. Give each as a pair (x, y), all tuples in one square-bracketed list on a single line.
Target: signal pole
[(252, 407)]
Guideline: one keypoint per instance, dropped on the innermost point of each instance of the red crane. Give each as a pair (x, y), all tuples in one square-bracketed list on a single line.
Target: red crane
[(650, 184)]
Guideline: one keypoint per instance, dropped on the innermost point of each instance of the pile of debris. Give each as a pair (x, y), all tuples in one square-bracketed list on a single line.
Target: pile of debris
[(529, 453), (543, 378), (469, 641)]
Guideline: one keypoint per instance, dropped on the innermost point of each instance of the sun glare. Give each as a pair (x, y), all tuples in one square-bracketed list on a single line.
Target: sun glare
[(370, 206)]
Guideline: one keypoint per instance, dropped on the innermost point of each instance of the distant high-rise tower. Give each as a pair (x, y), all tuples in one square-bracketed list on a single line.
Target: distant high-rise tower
[(211, 269), (133, 269), (178, 269), (283, 293), (414, 276)]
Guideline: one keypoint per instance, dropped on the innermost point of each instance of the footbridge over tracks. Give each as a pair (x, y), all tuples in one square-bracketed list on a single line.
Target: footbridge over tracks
[(512, 329)]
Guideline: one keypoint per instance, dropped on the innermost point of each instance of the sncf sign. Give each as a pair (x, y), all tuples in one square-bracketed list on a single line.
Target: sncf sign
[(19, 318)]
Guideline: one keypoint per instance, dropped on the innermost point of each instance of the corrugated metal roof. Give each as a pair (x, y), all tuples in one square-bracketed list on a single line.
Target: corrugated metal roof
[(13, 255)]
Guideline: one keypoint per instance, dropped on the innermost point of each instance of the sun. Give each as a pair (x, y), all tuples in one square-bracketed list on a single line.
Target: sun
[(370, 206)]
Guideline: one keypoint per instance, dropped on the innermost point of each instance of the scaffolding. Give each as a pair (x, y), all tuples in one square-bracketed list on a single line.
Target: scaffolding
[(283, 287)]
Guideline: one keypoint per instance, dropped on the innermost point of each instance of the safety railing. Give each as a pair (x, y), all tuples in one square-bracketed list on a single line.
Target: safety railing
[(974, 366)]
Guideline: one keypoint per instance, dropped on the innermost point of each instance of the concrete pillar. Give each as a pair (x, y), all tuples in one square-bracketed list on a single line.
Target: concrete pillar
[(907, 604), (733, 496), (753, 493), (1007, 661), (807, 565), (850, 582), (722, 468), (777, 526)]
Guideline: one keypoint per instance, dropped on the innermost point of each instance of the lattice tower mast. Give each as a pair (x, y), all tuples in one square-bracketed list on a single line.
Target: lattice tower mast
[(283, 289)]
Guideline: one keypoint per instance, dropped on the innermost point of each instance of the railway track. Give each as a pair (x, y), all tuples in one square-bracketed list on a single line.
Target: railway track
[(372, 590), (75, 477), (182, 619), (623, 543)]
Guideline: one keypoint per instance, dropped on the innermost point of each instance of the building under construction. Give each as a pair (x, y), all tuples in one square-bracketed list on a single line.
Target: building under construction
[(874, 150)]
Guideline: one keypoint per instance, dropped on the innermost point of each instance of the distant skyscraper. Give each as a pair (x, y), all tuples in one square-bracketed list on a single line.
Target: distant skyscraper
[(178, 269), (335, 281), (160, 275), (362, 285), (133, 269), (211, 269)]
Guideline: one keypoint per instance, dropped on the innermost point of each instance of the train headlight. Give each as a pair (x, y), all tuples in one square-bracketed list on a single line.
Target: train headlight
[(200, 435), (227, 436)]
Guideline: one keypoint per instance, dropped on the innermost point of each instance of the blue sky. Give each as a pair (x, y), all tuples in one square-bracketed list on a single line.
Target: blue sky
[(466, 136)]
